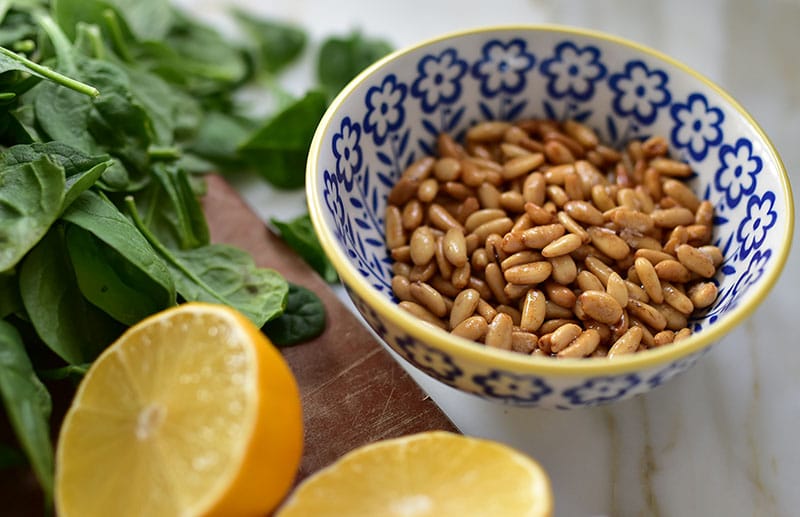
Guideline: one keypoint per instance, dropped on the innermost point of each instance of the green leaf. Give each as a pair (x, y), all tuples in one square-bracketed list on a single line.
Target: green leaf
[(27, 404), (299, 234), (341, 59), (172, 211), (218, 273), (31, 196), (10, 300), (97, 215), (303, 318), (12, 61), (277, 44), (110, 282), (80, 169), (74, 372), (219, 136), (278, 150), (69, 325)]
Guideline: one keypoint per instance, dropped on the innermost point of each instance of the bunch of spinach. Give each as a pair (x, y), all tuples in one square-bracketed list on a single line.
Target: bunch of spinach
[(110, 112)]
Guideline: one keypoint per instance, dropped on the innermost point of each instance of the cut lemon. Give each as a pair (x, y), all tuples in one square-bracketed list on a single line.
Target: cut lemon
[(192, 411), (428, 474)]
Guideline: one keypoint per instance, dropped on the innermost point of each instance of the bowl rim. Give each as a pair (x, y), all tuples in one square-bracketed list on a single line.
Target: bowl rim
[(513, 361)]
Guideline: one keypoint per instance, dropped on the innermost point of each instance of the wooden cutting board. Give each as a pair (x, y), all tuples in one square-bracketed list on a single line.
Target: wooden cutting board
[(353, 392)]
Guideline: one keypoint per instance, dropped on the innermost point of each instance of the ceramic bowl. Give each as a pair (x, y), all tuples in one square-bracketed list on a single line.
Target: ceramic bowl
[(391, 114)]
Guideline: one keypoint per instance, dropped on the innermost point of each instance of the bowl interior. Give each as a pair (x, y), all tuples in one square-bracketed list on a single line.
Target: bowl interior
[(391, 114)]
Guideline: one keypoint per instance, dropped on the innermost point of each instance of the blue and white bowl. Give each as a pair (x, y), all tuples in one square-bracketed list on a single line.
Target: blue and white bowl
[(391, 114)]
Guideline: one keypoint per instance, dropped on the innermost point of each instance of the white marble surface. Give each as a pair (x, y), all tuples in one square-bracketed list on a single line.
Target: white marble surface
[(723, 438)]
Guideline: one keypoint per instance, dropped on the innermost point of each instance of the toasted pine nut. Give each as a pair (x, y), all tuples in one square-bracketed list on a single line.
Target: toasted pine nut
[(647, 314), (672, 271), (681, 193), (632, 219), (447, 147), (533, 188), (573, 186), (512, 202), (557, 152), (447, 169), (675, 319), (560, 294), (563, 336), (404, 190), (582, 133), (682, 334), (522, 165), (420, 169), (676, 298), (626, 197), (483, 216), (442, 264), (540, 236), (672, 217), (564, 245), (496, 282), (473, 328), (455, 247), (664, 337), (523, 342), (533, 311), (457, 190), (400, 288), (412, 215), (600, 306), (427, 190), (403, 254), (395, 236), (615, 286), (572, 226), (583, 345), (422, 313), (702, 294), (670, 167), (461, 275), (602, 199), (714, 253), (488, 131), (649, 279), (531, 273), (704, 213), (587, 281), (599, 268), (609, 242), (441, 218), (695, 260), (498, 335), (422, 246), (584, 212), (565, 271), (464, 306), (429, 298), (445, 287), (521, 257), (498, 226), (627, 343), (654, 256)]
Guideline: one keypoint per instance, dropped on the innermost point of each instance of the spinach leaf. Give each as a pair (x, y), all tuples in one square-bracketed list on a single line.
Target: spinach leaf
[(219, 136), (341, 59), (74, 372), (109, 281), (69, 325), (27, 404), (278, 149), (171, 209), (276, 44), (303, 318), (97, 215), (80, 169), (218, 273), (12, 61), (299, 234), (10, 301), (31, 196)]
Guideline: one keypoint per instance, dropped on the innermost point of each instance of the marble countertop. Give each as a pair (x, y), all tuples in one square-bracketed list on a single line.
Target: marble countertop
[(720, 439)]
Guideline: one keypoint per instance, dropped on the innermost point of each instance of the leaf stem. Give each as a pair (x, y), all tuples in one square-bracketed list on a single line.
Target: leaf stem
[(116, 35), (51, 74)]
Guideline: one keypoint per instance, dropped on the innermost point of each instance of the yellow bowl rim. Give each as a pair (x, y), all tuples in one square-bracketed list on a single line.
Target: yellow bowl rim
[(512, 361)]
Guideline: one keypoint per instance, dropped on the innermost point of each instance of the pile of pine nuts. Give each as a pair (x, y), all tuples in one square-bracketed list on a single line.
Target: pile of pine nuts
[(535, 237)]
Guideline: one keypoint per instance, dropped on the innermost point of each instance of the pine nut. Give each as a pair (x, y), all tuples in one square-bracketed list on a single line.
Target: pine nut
[(422, 246), (564, 245), (429, 298), (649, 279), (673, 271), (584, 212), (676, 298), (565, 271), (583, 345), (483, 216), (422, 313), (523, 342), (455, 247), (572, 226), (461, 276), (670, 167), (582, 133), (678, 191), (601, 306), (560, 294), (400, 288), (533, 311), (557, 152), (702, 294), (473, 328), (632, 219), (395, 236), (488, 131), (499, 226), (540, 236), (672, 217), (695, 260), (602, 199), (609, 242), (530, 274), (533, 188), (447, 169), (464, 306), (498, 335), (627, 343), (616, 288), (522, 165), (563, 336), (648, 314)]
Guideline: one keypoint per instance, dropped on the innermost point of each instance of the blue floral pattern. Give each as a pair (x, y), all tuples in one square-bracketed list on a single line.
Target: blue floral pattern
[(639, 92), (698, 126), (737, 175), (512, 387), (396, 115), (573, 71), (385, 111), (600, 390)]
